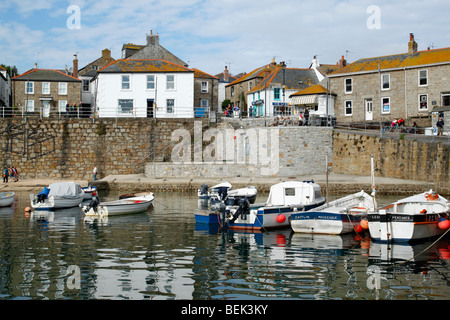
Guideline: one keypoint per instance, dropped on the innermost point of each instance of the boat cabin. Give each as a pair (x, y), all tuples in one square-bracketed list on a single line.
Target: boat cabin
[(294, 193)]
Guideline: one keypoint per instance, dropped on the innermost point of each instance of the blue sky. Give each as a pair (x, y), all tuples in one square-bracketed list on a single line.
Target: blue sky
[(209, 34)]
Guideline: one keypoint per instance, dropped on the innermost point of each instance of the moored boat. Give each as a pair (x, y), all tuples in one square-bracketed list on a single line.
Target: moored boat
[(126, 205), (422, 216), (336, 217), (284, 199), (6, 199), (57, 196), (89, 192)]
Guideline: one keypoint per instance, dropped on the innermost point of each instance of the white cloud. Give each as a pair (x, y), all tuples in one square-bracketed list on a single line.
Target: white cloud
[(210, 33)]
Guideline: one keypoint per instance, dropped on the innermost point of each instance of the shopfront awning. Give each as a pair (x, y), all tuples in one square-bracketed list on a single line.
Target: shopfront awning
[(306, 99)]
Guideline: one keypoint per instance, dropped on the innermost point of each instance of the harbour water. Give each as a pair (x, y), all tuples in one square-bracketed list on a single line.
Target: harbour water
[(162, 254)]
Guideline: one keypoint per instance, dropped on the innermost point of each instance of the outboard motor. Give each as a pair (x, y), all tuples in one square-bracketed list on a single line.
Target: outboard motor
[(93, 204), (204, 189), (244, 208)]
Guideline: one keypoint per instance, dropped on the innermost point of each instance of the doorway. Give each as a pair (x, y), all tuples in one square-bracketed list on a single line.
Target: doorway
[(368, 106), (150, 111), (46, 109)]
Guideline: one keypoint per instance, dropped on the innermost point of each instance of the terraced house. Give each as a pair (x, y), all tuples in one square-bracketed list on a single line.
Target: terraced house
[(45, 93), (380, 89)]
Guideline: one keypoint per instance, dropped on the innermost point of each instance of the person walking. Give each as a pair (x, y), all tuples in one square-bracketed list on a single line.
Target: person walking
[(95, 173), (5, 175), (440, 126)]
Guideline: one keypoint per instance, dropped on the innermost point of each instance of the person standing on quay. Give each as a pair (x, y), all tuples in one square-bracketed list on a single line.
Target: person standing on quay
[(5, 175), (440, 126), (95, 173)]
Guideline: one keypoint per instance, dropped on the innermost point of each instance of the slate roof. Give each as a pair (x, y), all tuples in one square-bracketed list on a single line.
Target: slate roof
[(404, 60), (201, 74), (315, 89), (45, 75), (258, 72), (142, 65), (292, 78)]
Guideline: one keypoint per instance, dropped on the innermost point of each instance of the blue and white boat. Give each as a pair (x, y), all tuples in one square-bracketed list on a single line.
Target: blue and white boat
[(284, 199), (336, 217)]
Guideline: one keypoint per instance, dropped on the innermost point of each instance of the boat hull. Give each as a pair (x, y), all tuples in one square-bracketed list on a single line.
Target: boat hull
[(6, 199), (53, 202), (403, 227), (323, 222), (128, 205)]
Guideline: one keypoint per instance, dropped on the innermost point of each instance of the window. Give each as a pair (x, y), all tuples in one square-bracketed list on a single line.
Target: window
[(86, 85), (204, 103), (29, 87), (348, 85), (62, 88), (348, 107), (125, 106), (385, 82), (423, 78), (276, 94), (62, 105), (386, 105), (423, 102), (170, 105), (170, 82), (445, 99), (289, 192), (29, 105), (45, 87), (204, 86), (126, 82), (232, 91), (150, 82), (250, 85)]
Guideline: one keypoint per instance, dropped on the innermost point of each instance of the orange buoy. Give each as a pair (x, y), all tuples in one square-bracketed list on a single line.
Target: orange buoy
[(27, 209), (359, 229), (444, 224), (364, 224), (281, 218)]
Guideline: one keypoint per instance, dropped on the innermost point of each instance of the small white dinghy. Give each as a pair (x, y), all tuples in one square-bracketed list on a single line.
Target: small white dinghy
[(6, 199), (134, 204)]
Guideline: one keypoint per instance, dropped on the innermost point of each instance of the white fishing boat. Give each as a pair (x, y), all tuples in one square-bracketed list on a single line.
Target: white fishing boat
[(284, 199), (336, 217), (422, 216), (6, 199), (57, 196), (234, 195), (89, 192), (128, 205)]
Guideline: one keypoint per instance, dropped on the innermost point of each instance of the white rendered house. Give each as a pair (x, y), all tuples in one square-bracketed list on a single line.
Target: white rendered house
[(152, 88)]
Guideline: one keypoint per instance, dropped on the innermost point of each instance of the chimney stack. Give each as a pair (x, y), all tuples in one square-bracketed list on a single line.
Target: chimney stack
[(75, 67), (226, 74), (106, 53), (342, 62), (152, 39), (412, 44)]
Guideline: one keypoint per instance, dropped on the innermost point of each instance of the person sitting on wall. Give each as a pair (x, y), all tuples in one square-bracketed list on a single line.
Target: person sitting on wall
[(274, 123), (401, 122)]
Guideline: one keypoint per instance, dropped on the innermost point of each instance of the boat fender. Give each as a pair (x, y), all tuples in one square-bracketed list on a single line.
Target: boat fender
[(443, 223), (281, 218), (364, 224), (423, 211)]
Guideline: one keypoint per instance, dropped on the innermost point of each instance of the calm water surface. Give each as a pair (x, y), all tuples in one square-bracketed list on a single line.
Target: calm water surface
[(162, 254)]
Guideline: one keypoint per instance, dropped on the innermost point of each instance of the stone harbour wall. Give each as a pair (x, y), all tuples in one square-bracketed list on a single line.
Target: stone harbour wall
[(394, 158)]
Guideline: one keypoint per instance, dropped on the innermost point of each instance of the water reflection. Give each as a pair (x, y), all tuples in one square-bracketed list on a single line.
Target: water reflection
[(162, 254)]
